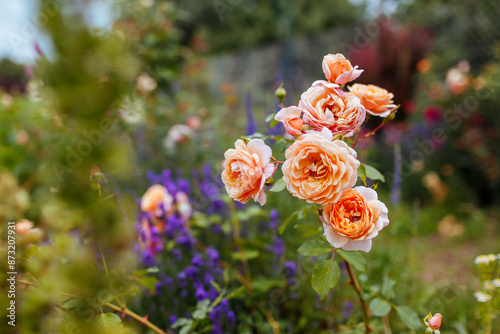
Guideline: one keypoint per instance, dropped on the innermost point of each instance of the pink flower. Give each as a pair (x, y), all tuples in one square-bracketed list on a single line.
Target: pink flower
[(339, 70), (246, 169), (354, 219), (290, 117), (324, 105), (435, 322)]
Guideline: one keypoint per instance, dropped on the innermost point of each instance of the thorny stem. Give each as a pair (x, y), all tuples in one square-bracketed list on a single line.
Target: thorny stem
[(356, 286), (135, 316)]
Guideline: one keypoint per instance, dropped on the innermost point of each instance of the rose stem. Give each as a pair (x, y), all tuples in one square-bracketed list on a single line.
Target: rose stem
[(135, 316), (356, 286)]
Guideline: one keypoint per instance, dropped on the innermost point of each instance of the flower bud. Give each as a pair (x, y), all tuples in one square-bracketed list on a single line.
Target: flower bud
[(428, 330), (435, 321), (280, 93)]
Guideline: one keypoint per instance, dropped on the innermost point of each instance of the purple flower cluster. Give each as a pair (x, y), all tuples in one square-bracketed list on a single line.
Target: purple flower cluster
[(166, 241)]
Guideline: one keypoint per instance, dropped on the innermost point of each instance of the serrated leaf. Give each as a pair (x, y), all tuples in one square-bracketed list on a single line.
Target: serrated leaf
[(362, 173), (281, 145), (409, 317), (372, 173), (278, 186), (355, 258), (379, 307), (315, 247), (109, 323), (325, 276)]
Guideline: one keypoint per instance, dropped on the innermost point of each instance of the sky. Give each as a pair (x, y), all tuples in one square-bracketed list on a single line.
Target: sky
[(21, 26)]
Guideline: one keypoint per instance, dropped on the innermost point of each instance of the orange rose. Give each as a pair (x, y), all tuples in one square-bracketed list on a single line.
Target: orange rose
[(338, 69), (355, 219), (376, 100), (318, 170), (155, 197), (246, 169), (324, 105)]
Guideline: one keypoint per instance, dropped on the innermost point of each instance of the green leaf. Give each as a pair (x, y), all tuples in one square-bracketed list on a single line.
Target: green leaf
[(281, 145), (129, 290), (278, 186), (249, 254), (315, 247), (387, 288), (186, 325), (372, 173), (379, 307), (325, 276), (109, 323), (202, 308), (355, 258), (236, 293), (148, 282), (409, 317), (362, 173), (262, 284), (142, 272), (216, 286), (72, 303), (270, 117), (273, 123)]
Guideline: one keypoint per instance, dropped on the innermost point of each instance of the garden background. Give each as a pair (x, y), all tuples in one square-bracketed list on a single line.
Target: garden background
[(159, 93)]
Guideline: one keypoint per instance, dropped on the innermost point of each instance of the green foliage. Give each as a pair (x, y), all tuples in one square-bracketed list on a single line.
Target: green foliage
[(325, 276)]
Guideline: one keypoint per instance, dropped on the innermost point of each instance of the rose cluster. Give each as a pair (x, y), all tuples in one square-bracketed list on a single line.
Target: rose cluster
[(320, 166)]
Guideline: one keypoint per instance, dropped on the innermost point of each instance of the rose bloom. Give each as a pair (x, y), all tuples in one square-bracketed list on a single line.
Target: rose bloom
[(318, 170), (156, 198), (376, 100), (435, 322), (355, 219), (338, 69), (23, 226), (290, 117), (325, 105), (246, 169)]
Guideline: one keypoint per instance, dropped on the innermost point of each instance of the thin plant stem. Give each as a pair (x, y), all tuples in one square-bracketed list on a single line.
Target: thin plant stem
[(237, 240), (356, 286), (135, 316)]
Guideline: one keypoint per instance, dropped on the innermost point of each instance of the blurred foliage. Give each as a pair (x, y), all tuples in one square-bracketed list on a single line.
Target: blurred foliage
[(239, 24)]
